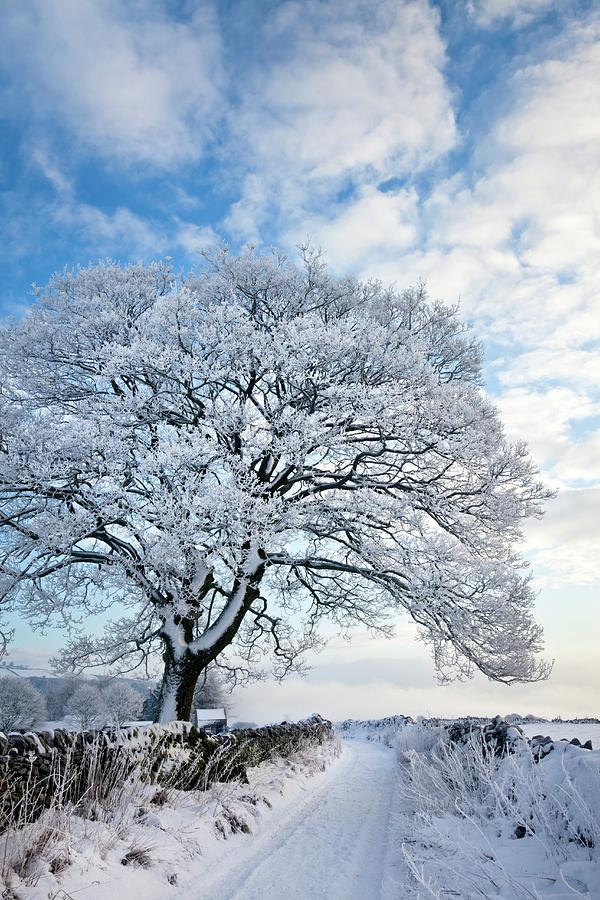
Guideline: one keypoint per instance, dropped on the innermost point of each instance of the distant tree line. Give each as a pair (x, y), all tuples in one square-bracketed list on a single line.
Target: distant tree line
[(28, 702)]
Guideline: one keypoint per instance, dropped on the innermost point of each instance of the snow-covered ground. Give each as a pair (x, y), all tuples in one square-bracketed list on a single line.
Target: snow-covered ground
[(321, 829), (474, 825), (158, 843), (421, 818), (336, 845), (559, 730)]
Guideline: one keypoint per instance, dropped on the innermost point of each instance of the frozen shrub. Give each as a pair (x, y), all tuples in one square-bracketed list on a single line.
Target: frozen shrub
[(466, 803), (21, 705), (86, 707), (121, 703), (417, 737)]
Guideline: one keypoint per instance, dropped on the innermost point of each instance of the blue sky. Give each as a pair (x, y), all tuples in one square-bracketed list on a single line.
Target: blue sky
[(454, 141)]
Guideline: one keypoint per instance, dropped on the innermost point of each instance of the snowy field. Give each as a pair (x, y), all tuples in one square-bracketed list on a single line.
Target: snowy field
[(559, 730)]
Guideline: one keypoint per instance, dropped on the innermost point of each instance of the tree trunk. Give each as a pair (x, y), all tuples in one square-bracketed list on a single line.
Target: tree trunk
[(182, 670), (178, 684)]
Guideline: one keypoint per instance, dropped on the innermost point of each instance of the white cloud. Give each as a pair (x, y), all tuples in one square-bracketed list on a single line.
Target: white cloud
[(248, 214), (127, 81), (544, 418), (346, 90), (43, 159), (518, 240), (520, 12), (373, 227), (195, 238), (118, 232), (362, 86), (517, 243), (569, 365), (81, 226), (564, 544), (515, 237), (581, 462)]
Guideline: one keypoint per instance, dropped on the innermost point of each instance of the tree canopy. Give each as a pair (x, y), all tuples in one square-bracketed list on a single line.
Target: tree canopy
[(225, 460)]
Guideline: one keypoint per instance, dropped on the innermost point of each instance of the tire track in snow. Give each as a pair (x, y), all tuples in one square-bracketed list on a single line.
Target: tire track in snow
[(333, 847)]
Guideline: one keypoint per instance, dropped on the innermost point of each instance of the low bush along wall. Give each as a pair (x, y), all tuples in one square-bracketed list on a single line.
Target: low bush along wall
[(39, 769)]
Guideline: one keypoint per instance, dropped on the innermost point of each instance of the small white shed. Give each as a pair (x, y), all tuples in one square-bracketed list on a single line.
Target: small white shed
[(213, 721)]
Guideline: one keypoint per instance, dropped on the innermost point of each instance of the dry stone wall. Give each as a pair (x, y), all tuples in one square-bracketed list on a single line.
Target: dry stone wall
[(500, 737), (39, 768)]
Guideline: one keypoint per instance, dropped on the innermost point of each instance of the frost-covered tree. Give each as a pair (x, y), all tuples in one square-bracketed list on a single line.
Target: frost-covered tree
[(57, 693), (151, 705), (21, 705), (122, 702), (210, 692), (86, 707), (228, 459)]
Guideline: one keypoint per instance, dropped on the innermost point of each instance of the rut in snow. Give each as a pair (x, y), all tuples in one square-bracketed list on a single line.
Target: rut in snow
[(334, 846)]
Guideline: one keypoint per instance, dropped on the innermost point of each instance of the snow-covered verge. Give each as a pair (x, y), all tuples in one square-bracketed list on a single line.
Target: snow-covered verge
[(519, 824), (128, 833)]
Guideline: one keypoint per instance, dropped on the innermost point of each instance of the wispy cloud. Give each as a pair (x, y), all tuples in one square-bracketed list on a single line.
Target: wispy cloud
[(581, 461), (193, 239), (514, 235), (104, 231), (124, 79), (546, 417), (518, 12), (564, 545), (119, 231), (99, 231), (344, 92)]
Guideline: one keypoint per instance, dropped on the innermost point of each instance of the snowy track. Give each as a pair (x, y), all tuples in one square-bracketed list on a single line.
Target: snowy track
[(332, 847)]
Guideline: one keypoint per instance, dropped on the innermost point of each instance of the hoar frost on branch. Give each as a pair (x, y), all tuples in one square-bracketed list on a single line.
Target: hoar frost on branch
[(227, 459)]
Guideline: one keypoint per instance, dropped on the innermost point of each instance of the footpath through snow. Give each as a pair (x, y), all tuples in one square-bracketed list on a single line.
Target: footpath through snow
[(333, 846)]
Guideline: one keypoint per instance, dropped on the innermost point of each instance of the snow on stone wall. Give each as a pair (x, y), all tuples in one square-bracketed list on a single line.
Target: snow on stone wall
[(35, 765)]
